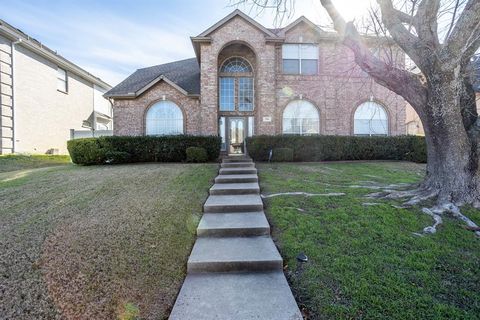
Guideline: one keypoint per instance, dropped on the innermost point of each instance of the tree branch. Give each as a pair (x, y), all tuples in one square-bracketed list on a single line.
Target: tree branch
[(402, 82), (466, 33), (426, 22)]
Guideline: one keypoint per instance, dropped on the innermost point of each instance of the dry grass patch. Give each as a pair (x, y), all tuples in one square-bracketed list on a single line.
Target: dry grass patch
[(99, 242)]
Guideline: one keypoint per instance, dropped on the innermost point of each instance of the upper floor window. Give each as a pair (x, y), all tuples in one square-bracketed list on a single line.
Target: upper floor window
[(300, 58), (370, 119), (236, 85), (62, 80)]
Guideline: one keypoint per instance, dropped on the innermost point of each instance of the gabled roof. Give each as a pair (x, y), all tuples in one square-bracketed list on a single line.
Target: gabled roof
[(232, 15), (302, 19), (24, 40), (184, 75)]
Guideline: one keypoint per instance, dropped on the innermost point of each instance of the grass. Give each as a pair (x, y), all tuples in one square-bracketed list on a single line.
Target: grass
[(365, 262), (12, 162), (99, 242)]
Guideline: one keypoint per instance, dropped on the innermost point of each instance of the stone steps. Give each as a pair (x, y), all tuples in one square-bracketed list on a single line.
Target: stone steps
[(238, 224), (235, 296), (233, 203), (235, 270), (234, 254), (235, 188), (238, 165), (236, 178), (227, 171)]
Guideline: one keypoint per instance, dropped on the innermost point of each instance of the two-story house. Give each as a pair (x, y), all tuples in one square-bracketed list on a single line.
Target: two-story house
[(250, 80), (43, 96)]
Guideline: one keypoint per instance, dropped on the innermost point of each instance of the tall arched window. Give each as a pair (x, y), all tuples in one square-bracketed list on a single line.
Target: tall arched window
[(164, 118), (301, 117), (236, 85), (370, 119)]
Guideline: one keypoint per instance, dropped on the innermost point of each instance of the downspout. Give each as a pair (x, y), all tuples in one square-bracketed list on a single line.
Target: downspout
[(14, 43)]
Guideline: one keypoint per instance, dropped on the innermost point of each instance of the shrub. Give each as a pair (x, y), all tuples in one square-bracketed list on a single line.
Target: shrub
[(121, 149), (336, 148), (282, 155), (196, 154)]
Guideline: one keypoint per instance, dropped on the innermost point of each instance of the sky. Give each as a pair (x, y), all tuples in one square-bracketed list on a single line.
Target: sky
[(113, 38)]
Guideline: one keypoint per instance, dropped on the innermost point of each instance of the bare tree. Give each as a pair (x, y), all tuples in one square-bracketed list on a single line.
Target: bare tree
[(441, 94)]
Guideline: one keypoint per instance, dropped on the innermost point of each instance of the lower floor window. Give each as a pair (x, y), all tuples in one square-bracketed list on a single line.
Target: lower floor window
[(301, 117), (370, 119), (164, 118)]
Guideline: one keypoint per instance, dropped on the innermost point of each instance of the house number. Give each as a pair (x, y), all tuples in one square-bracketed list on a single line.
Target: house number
[(267, 119)]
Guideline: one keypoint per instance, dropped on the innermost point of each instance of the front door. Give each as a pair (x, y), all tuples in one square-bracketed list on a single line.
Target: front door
[(236, 135)]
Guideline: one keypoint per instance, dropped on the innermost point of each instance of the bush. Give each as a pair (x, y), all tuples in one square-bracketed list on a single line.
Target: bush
[(336, 148), (196, 154), (282, 155), (121, 149)]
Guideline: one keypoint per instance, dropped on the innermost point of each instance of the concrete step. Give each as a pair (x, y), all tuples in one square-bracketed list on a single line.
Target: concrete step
[(235, 188), (237, 159), (233, 203), (237, 165), (236, 178), (238, 224), (235, 296), (238, 171), (236, 254)]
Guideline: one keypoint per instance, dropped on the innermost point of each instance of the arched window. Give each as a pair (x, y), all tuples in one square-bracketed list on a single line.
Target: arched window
[(370, 119), (301, 117), (236, 64), (164, 118), (236, 85)]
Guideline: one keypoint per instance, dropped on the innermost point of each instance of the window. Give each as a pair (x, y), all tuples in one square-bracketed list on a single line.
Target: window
[(236, 64), (370, 119), (227, 94), (221, 126), (300, 59), (245, 94), (236, 85), (164, 118), (301, 117), (62, 80)]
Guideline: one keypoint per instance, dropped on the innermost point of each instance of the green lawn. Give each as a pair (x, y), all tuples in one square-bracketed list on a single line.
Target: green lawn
[(99, 242), (365, 262), (18, 162)]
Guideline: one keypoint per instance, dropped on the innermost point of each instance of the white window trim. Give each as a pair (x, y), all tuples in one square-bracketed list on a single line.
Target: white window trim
[(298, 45), (64, 80)]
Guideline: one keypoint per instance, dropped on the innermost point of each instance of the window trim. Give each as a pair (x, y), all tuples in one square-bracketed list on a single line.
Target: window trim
[(319, 124), (184, 128), (316, 45), (65, 80), (236, 76), (387, 114)]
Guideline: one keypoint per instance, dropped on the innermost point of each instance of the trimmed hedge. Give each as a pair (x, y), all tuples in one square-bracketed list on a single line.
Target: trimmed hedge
[(337, 148), (196, 154), (282, 155), (123, 149)]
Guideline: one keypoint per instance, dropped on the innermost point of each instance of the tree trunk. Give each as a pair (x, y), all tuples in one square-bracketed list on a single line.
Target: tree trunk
[(452, 167)]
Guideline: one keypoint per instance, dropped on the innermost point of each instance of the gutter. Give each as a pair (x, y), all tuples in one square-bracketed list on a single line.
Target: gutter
[(14, 94)]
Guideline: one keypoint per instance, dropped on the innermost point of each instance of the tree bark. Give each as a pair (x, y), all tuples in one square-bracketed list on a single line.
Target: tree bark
[(452, 167)]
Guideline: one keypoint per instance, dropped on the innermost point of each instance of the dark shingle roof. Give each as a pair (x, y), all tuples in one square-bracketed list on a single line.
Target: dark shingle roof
[(184, 73)]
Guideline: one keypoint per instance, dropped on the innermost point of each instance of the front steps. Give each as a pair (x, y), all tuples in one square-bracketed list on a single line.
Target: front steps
[(234, 270)]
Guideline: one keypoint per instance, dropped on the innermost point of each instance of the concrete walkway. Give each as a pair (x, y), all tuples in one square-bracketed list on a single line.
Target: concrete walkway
[(235, 270)]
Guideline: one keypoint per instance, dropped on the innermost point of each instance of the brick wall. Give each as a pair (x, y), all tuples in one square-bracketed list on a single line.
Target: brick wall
[(338, 89), (129, 114)]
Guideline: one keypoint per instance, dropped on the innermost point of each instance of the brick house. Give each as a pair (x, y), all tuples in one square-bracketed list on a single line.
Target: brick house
[(250, 80)]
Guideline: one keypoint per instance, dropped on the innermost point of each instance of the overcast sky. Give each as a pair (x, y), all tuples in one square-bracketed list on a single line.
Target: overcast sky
[(113, 38)]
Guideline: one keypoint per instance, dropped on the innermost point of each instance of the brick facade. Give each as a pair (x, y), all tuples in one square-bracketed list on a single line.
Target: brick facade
[(337, 90)]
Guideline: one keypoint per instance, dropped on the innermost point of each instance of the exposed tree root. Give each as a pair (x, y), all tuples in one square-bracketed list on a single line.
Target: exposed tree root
[(306, 194), (436, 218)]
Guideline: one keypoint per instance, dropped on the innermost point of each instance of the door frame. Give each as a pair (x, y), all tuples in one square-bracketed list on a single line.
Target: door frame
[(246, 129)]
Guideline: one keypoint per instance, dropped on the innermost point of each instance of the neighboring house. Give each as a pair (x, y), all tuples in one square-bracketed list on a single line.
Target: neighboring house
[(249, 80), (43, 96)]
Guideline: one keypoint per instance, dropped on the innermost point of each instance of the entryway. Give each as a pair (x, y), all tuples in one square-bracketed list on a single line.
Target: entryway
[(233, 131)]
